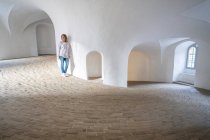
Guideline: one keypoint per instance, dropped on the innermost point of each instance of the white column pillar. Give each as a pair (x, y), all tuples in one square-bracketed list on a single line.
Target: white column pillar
[(115, 69), (203, 67)]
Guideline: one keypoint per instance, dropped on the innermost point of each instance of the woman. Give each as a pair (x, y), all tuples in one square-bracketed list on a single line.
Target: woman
[(64, 54)]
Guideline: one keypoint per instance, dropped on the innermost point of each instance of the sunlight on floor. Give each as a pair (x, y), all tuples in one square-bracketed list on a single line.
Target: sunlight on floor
[(36, 102)]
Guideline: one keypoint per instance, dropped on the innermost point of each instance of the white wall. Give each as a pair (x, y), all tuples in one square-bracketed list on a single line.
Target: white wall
[(179, 61), (174, 54), (168, 47), (45, 39), (165, 65), (145, 63), (115, 64), (138, 66), (203, 66), (94, 65), (112, 28), (18, 31), (186, 78), (5, 46), (180, 58)]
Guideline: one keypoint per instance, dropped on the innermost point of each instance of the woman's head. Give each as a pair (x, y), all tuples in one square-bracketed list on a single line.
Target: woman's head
[(64, 38)]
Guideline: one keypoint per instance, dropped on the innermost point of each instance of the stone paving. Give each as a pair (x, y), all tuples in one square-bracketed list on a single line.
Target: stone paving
[(37, 103)]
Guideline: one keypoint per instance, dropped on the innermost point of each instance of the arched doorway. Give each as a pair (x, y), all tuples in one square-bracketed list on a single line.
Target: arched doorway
[(94, 65), (25, 27), (45, 39)]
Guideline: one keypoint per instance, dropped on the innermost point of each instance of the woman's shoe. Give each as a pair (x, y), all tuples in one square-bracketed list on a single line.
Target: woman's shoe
[(63, 75), (66, 74)]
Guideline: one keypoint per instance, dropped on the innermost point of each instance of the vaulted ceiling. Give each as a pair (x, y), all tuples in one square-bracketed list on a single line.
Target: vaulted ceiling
[(104, 19)]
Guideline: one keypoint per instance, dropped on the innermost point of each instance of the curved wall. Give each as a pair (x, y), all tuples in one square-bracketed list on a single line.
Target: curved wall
[(18, 31), (114, 28), (94, 65), (138, 66), (45, 39), (180, 73)]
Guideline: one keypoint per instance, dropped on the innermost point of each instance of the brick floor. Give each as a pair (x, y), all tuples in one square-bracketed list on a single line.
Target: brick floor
[(37, 103)]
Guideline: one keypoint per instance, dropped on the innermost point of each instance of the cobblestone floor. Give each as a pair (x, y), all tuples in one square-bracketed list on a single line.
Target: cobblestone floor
[(37, 103)]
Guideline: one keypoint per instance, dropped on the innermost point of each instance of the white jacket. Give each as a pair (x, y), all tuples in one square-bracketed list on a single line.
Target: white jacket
[(64, 49)]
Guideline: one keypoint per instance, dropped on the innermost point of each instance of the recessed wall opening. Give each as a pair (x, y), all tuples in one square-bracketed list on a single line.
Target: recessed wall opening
[(138, 67), (94, 66), (28, 31), (45, 36), (185, 63)]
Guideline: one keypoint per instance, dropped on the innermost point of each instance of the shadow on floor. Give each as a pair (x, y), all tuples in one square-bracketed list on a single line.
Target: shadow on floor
[(203, 91), (136, 83), (140, 83), (94, 78)]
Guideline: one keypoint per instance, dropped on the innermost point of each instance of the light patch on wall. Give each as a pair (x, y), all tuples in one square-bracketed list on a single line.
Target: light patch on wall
[(138, 66), (94, 65), (45, 39), (180, 57), (5, 9)]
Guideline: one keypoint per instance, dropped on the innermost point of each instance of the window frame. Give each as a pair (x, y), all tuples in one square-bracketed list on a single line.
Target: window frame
[(188, 50)]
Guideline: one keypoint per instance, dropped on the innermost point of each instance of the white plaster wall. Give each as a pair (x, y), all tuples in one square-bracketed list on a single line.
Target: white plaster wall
[(114, 28), (203, 66), (115, 68), (179, 61), (168, 47), (186, 78), (174, 54), (29, 35), (79, 60), (12, 47), (94, 65), (138, 66), (119, 25), (149, 60), (45, 39), (5, 46), (181, 73), (18, 29)]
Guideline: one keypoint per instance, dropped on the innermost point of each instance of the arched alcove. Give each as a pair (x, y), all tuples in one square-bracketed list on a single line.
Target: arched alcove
[(27, 27), (45, 39), (94, 65), (181, 73), (144, 63), (138, 66)]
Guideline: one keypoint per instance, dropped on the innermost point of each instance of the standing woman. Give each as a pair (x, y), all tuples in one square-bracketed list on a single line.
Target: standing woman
[(64, 52)]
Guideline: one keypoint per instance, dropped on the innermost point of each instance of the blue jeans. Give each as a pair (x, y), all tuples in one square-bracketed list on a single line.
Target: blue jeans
[(64, 64)]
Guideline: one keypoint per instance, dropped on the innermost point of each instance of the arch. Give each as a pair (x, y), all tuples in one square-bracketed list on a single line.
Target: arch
[(25, 33), (144, 63), (94, 65), (6, 9), (180, 71), (138, 66), (45, 39)]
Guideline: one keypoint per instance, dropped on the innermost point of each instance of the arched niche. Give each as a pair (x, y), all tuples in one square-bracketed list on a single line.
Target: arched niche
[(45, 36), (144, 63), (138, 66), (94, 65), (23, 20), (180, 71)]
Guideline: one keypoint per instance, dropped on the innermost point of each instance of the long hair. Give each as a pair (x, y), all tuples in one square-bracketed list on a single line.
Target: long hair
[(65, 36)]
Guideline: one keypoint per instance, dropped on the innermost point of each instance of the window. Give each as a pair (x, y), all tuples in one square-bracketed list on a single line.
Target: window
[(191, 57)]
